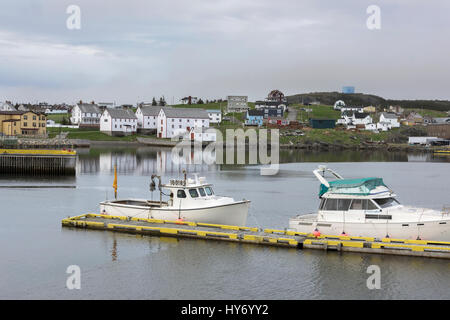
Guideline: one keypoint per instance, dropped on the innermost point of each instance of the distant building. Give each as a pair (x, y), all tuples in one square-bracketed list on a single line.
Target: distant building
[(237, 104), (348, 89), (276, 95), (414, 118), (254, 118), (441, 120), (421, 140), (104, 105), (7, 106), (396, 109), (26, 123), (199, 134), (215, 116), (322, 123), (439, 130), (272, 112), (86, 115), (189, 100), (369, 109), (279, 121), (118, 122), (338, 105), (390, 118), (174, 122), (147, 118)]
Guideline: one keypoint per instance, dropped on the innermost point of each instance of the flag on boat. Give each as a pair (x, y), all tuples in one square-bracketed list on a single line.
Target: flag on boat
[(115, 181)]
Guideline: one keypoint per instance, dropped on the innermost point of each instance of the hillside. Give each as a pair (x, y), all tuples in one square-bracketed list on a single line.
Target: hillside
[(362, 99)]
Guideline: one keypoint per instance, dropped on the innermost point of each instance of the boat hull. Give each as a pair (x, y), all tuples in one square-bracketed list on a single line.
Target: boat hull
[(229, 214), (428, 230)]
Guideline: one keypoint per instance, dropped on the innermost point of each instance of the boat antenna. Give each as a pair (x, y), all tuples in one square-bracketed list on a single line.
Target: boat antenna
[(184, 172)]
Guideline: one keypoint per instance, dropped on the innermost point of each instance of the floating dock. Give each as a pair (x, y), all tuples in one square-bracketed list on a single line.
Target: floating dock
[(37, 161), (266, 237)]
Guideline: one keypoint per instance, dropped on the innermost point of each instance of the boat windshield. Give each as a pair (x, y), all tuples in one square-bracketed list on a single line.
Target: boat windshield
[(387, 202), (209, 191), (202, 192)]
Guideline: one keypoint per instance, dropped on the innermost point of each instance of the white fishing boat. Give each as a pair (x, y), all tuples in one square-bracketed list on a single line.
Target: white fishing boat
[(189, 200), (367, 207)]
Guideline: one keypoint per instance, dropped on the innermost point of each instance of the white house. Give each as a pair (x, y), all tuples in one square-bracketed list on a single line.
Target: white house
[(7, 106), (371, 127), (338, 105), (175, 121), (199, 134), (86, 115), (361, 118), (215, 116), (147, 118), (390, 118), (384, 126), (118, 122), (353, 109)]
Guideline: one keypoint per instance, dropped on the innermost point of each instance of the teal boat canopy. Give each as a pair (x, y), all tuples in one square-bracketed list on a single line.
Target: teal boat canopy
[(352, 186)]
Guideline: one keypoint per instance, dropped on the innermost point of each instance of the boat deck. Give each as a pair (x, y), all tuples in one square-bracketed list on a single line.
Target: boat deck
[(270, 237)]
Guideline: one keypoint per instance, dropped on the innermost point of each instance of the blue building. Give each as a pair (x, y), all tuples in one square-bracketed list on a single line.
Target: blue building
[(254, 118), (348, 89)]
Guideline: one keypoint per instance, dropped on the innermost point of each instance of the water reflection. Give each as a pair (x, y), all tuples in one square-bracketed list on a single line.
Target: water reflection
[(149, 160)]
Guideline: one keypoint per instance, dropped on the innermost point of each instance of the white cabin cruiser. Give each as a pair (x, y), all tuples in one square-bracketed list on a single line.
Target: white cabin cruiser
[(367, 207), (189, 200)]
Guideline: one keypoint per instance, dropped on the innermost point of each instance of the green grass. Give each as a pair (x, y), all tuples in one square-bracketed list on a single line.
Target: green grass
[(333, 136), (428, 113), (318, 112), (89, 134), (58, 117)]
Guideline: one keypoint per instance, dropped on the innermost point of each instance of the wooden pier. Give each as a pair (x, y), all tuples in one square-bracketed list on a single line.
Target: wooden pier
[(266, 237), (37, 161)]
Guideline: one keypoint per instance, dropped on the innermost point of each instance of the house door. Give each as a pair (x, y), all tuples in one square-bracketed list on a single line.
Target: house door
[(192, 136), (160, 135)]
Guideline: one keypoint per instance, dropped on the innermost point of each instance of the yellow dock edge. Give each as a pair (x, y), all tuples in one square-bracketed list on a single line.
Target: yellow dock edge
[(423, 248), (38, 152)]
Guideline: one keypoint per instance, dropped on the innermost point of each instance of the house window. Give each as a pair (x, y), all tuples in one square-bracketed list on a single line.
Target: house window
[(34, 117), (106, 119), (25, 124), (161, 121), (25, 117)]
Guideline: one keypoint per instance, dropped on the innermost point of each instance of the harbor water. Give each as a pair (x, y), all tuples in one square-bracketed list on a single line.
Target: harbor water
[(36, 251)]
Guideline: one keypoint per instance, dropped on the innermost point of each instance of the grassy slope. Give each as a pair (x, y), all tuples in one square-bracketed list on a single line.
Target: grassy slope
[(429, 113), (58, 117), (90, 134), (318, 112)]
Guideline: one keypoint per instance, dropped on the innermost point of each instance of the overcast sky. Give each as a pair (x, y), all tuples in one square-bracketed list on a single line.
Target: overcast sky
[(129, 51)]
